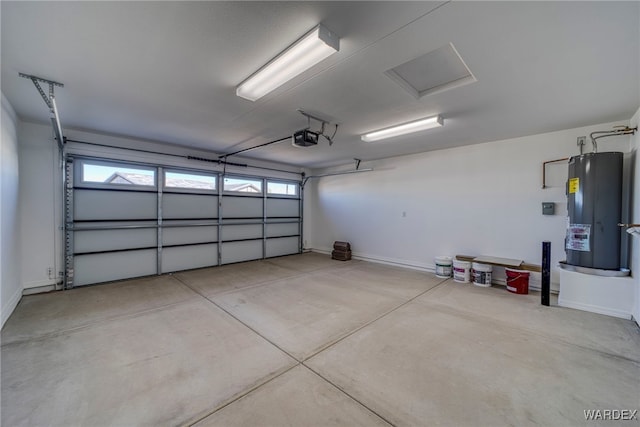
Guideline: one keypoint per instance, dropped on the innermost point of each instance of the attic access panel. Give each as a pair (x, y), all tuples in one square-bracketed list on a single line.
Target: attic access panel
[(436, 71)]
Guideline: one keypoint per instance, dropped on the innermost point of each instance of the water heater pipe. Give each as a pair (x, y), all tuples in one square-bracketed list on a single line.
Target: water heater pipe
[(544, 169), (621, 130)]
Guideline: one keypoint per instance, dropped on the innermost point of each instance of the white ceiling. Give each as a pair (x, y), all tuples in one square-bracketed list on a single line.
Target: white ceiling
[(167, 71)]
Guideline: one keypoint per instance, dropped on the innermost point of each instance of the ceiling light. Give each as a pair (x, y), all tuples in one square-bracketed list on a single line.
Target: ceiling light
[(312, 48), (415, 126)]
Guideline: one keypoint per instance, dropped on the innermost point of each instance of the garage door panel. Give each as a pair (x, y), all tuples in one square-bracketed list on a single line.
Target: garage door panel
[(283, 207), (85, 225), (189, 235), (241, 207), (114, 205), (194, 222), (285, 229), (241, 221), (194, 229), (282, 246), (239, 232), (110, 240), (241, 251), (185, 206), (189, 257), (97, 268)]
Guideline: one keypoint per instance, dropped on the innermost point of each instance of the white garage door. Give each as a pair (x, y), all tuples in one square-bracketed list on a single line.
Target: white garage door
[(129, 220)]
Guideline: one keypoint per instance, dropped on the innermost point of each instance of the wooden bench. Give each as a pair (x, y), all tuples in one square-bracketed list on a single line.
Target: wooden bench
[(516, 264)]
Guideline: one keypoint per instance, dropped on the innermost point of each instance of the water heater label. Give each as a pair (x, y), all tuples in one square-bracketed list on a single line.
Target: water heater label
[(574, 185), (578, 236)]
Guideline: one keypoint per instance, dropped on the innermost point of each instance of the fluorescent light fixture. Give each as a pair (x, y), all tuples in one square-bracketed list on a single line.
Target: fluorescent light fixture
[(312, 48), (415, 126)]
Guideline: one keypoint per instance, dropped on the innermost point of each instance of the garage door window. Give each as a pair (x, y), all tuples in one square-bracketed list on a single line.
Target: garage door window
[(275, 188), (243, 185), (189, 181), (106, 174)]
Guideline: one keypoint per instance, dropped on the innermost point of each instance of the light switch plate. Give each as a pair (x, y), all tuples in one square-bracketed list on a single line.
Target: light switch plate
[(548, 208)]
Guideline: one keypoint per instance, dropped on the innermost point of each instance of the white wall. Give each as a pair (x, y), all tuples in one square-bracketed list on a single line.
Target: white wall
[(40, 185), (481, 199), (10, 286), (635, 216), (41, 189)]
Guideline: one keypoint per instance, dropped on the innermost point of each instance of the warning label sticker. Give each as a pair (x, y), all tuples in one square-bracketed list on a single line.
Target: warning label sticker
[(578, 236), (574, 185)]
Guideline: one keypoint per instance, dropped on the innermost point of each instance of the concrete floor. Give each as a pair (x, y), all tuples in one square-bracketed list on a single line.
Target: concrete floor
[(304, 341)]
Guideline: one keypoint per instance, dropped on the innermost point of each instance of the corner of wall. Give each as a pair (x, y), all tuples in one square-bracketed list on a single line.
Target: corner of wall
[(635, 200), (635, 192), (7, 108), (10, 284), (10, 304)]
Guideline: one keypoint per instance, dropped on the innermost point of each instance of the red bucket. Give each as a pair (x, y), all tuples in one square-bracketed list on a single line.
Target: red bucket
[(517, 281)]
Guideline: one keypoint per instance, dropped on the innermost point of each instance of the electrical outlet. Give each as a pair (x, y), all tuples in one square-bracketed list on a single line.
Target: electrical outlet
[(404, 214), (49, 272)]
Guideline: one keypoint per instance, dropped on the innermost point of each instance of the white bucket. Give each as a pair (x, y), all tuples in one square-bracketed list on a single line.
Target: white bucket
[(443, 266), (482, 274), (461, 271)]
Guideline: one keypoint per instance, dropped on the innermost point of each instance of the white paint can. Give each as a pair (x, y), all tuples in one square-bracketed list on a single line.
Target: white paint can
[(482, 274), (461, 271), (444, 266)]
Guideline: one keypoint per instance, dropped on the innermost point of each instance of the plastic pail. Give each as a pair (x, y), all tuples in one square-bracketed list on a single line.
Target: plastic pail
[(517, 281), (482, 274), (461, 271), (443, 266)]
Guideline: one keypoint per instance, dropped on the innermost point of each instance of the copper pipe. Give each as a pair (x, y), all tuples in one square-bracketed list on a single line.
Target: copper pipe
[(617, 130), (544, 169)]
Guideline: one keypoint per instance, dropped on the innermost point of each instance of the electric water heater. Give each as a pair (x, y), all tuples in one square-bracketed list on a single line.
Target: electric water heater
[(594, 202)]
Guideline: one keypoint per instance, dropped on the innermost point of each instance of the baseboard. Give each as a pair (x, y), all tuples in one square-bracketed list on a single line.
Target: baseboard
[(9, 306), (431, 268), (383, 260), (595, 309), (40, 289), (40, 284)]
